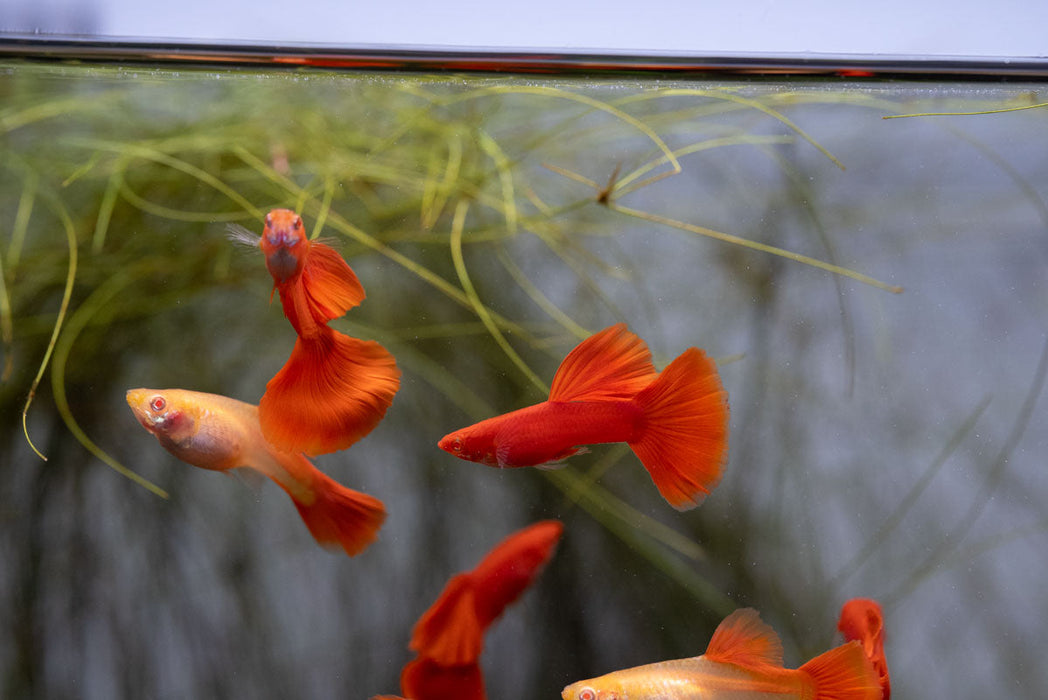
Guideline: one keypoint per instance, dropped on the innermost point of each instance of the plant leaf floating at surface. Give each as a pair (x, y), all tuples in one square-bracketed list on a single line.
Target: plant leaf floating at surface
[(607, 390), (744, 659), (334, 389), (218, 433), (449, 636), (862, 620)]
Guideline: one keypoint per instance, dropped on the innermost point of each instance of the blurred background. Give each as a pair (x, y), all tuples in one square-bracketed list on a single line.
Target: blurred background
[(888, 424)]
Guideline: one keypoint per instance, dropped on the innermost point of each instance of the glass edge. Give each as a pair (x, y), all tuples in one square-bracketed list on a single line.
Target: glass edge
[(517, 60)]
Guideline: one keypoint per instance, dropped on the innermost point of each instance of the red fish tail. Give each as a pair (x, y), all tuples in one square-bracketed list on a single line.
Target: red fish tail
[(338, 516), (683, 439), (332, 391), (843, 673), (511, 567), (425, 679), (449, 631)]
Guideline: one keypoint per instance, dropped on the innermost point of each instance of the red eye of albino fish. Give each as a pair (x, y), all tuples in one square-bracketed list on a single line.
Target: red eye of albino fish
[(587, 694), (298, 222), (456, 445), (157, 403)]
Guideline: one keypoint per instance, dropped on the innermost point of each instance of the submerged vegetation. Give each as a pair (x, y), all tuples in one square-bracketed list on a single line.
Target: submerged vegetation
[(495, 222)]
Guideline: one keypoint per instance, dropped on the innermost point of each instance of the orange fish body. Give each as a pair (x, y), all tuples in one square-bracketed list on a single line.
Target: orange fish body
[(607, 390), (743, 662), (218, 433), (334, 389), (862, 620), (451, 631)]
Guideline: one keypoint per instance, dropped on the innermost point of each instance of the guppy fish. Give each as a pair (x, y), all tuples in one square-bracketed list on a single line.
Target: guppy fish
[(449, 636), (452, 630), (742, 662), (334, 389), (218, 433), (862, 620), (607, 390)]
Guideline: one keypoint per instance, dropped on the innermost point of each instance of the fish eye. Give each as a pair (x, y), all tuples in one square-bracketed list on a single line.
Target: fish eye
[(587, 694), (297, 222), (157, 403), (269, 219), (456, 445)]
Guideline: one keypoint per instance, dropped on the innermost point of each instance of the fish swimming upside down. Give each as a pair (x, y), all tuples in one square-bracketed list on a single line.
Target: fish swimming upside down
[(607, 390), (218, 433), (742, 662), (334, 389)]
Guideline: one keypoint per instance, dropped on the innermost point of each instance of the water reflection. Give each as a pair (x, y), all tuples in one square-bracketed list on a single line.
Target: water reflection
[(883, 445)]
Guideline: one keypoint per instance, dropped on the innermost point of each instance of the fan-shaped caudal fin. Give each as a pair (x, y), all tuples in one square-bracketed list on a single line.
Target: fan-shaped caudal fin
[(330, 285), (449, 631), (425, 679), (332, 391), (338, 516), (683, 439), (611, 364), (862, 620), (743, 639), (843, 673)]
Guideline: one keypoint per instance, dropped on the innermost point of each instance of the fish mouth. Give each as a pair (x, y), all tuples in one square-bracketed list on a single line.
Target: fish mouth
[(138, 399)]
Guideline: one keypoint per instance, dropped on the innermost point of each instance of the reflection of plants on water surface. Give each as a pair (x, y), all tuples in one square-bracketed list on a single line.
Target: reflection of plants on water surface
[(470, 211)]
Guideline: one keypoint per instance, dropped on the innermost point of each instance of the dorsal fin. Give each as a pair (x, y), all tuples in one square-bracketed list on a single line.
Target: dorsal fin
[(611, 364), (744, 639), (331, 286)]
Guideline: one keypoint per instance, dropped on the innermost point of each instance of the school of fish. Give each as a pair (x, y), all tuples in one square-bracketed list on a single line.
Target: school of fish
[(335, 389)]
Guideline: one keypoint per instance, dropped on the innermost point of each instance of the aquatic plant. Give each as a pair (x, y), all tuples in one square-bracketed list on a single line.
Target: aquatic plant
[(494, 223)]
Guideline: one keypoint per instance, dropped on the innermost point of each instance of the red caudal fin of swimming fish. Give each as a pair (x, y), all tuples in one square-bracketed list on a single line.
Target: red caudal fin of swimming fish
[(449, 632), (337, 516), (611, 364), (743, 639), (425, 679), (452, 631), (862, 620), (511, 567), (332, 391), (683, 441), (843, 673)]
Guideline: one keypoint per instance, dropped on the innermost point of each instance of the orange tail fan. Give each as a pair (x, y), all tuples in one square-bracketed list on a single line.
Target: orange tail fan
[(684, 440), (425, 679), (339, 516), (843, 673), (332, 391)]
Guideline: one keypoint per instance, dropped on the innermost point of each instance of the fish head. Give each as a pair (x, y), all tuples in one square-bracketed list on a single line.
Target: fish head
[(159, 412), (861, 619), (585, 690), (473, 444), (284, 244)]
